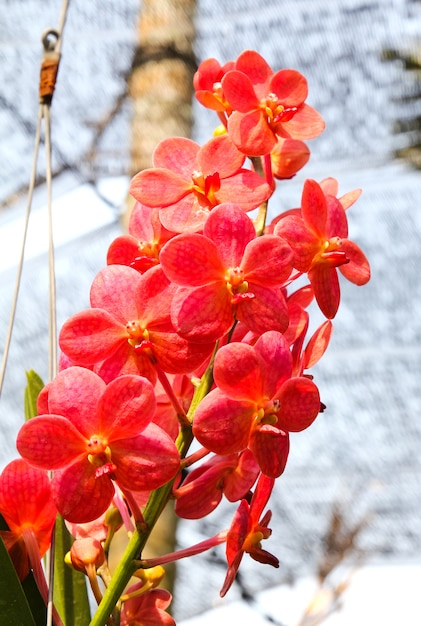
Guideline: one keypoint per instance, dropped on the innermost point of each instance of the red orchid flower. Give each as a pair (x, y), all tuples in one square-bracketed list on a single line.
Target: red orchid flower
[(247, 531), (27, 506), (187, 181), (318, 234), (228, 271), (202, 490), (140, 247), (95, 434), (256, 403), (267, 105), (147, 609), (128, 329), (208, 88)]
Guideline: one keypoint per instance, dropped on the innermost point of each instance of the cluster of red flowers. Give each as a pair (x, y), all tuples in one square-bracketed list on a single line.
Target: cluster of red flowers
[(194, 327)]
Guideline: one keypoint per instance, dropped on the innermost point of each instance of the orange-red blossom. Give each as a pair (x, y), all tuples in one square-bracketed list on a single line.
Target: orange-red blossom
[(318, 235), (256, 402)]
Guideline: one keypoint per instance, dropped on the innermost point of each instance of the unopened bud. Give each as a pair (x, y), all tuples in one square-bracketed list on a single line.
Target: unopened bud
[(86, 552)]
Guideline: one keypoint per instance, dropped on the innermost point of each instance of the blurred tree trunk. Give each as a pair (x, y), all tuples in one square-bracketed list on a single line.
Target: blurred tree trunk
[(161, 79), (160, 85)]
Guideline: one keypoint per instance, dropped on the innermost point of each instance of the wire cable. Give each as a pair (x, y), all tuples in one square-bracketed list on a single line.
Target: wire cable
[(52, 43)]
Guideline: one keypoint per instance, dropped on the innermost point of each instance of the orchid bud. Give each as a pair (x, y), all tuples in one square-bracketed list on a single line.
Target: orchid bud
[(84, 553)]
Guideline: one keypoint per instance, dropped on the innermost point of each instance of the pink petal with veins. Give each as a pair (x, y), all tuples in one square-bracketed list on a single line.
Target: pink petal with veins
[(126, 407), (79, 494), (50, 442)]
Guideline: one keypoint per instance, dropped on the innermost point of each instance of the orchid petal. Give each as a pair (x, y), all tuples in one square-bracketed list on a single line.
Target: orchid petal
[(237, 372), (125, 360), (26, 501), (145, 462), (177, 154), (239, 91), (307, 123), (290, 86), (159, 187), (239, 481), (186, 215), (176, 355), (314, 208), (267, 260), (126, 407), (50, 442), (325, 283), (300, 404), (277, 361), (336, 220), (318, 344), (330, 186), (223, 425), (191, 259), (74, 395), (123, 250), (266, 311), (231, 230), (153, 298), (220, 155), (202, 314), (251, 133), (238, 531), (246, 188), (303, 242), (260, 498), (79, 494), (113, 289), (91, 336), (270, 446), (257, 69), (358, 268), (143, 222)]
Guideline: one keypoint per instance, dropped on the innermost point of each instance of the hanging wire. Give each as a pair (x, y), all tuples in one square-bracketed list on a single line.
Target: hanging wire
[(52, 43), (22, 254)]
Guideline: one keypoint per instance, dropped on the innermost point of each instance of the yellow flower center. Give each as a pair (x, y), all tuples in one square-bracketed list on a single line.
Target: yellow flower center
[(205, 187), (272, 107), (98, 450), (234, 278), (275, 111), (268, 414), (332, 244), (253, 540)]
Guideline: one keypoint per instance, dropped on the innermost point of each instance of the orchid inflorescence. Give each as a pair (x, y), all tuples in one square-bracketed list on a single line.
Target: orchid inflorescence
[(196, 333)]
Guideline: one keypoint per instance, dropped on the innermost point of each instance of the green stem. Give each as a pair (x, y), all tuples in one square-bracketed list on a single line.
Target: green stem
[(156, 504)]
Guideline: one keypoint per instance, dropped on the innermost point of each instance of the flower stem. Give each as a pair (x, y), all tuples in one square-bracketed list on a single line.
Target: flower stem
[(198, 548), (129, 562), (163, 379)]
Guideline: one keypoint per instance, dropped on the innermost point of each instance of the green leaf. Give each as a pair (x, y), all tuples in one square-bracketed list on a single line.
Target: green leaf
[(14, 607), (35, 601), (70, 593), (29, 587), (3, 523), (32, 391)]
